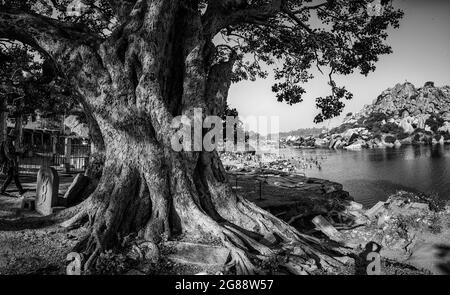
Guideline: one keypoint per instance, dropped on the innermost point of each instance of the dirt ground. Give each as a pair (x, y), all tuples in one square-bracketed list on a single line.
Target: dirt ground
[(28, 245)]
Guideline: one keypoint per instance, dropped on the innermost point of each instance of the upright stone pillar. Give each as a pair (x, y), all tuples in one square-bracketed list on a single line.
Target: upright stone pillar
[(46, 190)]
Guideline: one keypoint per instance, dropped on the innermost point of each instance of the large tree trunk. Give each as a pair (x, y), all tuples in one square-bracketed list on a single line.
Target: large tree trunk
[(149, 189), (157, 66), (97, 157)]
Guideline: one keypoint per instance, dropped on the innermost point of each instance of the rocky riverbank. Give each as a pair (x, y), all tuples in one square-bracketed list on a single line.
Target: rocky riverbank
[(401, 115), (413, 230)]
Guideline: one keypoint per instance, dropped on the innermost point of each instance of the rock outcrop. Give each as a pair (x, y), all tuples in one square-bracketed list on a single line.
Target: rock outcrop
[(404, 100), (400, 115), (411, 229)]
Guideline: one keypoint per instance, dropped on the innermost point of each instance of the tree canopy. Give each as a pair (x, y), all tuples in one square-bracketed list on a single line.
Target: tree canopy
[(29, 85), (293, 37)]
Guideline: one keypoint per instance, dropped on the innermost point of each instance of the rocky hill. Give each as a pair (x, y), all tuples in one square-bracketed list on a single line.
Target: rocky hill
[(400, 115)]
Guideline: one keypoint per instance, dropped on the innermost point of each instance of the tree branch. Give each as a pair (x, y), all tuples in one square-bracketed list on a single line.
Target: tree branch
[(225, 13), (67, 46), (296, 19), (312, 7), (49, 36)]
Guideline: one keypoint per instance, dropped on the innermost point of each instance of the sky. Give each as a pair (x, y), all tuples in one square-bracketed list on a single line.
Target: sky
[(421, 53)]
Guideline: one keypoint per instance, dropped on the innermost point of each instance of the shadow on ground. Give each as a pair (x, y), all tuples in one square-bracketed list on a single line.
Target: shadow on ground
[(12, 217), (443, 255)]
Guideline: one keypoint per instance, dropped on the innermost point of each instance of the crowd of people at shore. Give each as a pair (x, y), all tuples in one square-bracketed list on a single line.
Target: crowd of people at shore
[(279, 162)]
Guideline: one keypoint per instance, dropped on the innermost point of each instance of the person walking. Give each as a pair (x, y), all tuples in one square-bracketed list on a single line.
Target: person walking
[(8, 158)]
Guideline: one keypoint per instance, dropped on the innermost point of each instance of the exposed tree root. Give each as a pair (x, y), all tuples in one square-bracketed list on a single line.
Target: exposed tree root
[(76, 221), (166, 200), (274, 237)]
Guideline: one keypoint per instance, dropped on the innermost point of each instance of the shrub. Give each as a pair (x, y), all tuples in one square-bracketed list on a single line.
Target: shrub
[(436, 203), (446, 135), (374, 121), (435, 226), (429, 84), (389, 139), (376, 127), (110, 263), (435, 122), (391, 128), (433, 200), (402, 135), (378, 117), (377, 135)]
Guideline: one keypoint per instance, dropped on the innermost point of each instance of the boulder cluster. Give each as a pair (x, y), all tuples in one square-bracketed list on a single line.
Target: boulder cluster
[(400, 115), (410, 228)]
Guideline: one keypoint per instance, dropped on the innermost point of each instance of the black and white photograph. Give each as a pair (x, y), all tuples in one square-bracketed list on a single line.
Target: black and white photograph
[(224, 144)]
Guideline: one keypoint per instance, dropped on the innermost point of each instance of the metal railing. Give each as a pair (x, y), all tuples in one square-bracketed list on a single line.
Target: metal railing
[(33, 158)]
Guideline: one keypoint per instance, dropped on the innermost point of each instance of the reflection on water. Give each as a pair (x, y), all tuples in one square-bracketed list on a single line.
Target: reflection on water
[(372, 175)]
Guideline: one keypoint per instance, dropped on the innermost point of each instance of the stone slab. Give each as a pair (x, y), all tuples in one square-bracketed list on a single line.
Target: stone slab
[(325, 227), (375, 209)]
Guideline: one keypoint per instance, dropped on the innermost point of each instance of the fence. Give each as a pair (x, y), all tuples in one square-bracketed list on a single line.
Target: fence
[(69, 159)]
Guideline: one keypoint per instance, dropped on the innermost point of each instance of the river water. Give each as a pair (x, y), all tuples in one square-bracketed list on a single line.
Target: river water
[(371, 175)]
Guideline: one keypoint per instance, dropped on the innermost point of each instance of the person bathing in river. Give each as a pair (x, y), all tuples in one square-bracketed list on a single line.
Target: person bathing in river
[(10, 166)]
